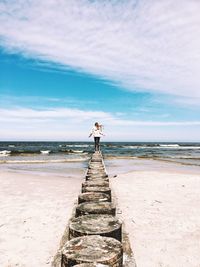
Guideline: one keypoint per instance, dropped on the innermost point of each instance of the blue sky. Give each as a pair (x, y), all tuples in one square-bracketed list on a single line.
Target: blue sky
[(133, 66)]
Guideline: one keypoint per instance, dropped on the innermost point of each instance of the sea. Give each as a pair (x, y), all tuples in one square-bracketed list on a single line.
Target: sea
[(59, 152)]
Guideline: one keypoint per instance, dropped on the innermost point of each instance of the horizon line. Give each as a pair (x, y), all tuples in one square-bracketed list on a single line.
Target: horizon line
[(114, 141)]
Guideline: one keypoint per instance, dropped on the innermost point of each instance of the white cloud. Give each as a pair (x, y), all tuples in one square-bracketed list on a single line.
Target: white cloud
[(25, 115), (145, 45), (74, 124), (40, 115), (187, 101)]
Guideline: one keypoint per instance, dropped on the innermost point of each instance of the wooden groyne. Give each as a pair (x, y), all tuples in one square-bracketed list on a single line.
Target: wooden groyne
[(95, 236)]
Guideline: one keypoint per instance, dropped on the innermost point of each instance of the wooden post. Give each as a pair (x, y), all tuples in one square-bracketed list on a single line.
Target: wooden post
[(90, 249), (96, 176), (96, 182), (99, 189), (90, 265), (104, 225), (95, 208), (93, 197)]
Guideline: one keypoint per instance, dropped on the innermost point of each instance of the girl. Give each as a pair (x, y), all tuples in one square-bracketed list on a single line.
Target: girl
[(97, 133)]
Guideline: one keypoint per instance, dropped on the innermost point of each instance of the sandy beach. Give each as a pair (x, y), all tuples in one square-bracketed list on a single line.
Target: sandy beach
[(35, 208), (107, 90), (160, 209), (158, 202)]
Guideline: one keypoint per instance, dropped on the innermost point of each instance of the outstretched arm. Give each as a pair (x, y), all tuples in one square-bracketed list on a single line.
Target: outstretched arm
[(91, 133), (102, 133)]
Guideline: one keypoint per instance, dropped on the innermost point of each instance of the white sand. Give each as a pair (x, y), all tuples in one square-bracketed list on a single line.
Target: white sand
[(161, 210), (34, 211)]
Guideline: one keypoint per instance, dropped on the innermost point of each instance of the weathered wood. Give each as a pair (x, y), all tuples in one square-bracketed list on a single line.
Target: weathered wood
[(89, 249), (100, 170), (96, 166), (96, 169), (104, 225), (93, 197), (96, 155), (96, 176), (95, 208), (93, 181), (99, 189), (90, 265), (96, 182), (96, 160)]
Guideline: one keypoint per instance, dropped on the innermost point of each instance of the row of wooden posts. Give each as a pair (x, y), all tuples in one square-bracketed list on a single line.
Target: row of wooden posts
[(95, 233)]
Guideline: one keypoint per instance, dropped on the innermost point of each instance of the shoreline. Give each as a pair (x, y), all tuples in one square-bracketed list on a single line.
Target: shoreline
[(126, 165), (106, 158), (152, 158)]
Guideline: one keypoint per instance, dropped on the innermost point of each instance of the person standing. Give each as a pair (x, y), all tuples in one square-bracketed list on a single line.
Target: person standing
[(97, 133)]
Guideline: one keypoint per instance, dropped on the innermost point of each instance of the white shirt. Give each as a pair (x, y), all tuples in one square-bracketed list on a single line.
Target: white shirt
[(96, 132)]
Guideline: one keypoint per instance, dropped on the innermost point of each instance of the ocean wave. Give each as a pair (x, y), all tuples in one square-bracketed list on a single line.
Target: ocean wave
[(134, 147), (75, 145), (45, 151), (77, 151), (183, 157), (153, 156), (169, 145), (174, 147), (21, 152), (150, 146), (43, 161), (24, 152), (5, 153), (71, 151), (109, 145), (183, 147)]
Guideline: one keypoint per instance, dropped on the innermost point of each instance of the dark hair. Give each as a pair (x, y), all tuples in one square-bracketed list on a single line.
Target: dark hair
[(97, 125)]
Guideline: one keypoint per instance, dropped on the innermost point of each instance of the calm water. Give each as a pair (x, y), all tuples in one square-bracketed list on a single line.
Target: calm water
[(55, 152)]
